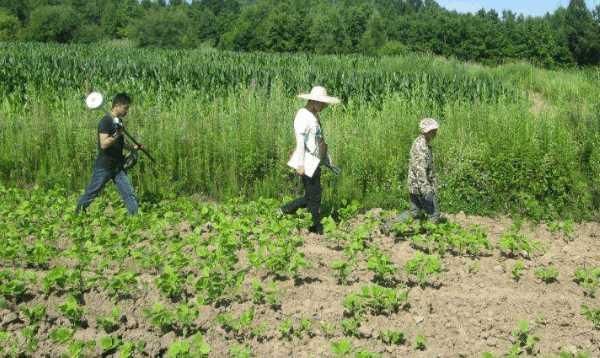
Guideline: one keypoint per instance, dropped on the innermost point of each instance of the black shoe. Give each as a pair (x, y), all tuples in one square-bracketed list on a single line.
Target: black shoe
[(318, 229)]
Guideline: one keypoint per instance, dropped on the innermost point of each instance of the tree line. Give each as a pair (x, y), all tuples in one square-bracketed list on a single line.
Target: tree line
[(567, 37)]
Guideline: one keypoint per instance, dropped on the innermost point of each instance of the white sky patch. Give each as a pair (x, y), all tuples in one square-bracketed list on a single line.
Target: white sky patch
[(462, 6)]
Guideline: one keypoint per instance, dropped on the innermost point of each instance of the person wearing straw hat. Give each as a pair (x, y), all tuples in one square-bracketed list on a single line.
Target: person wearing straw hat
[(310, 154), (422, 180)]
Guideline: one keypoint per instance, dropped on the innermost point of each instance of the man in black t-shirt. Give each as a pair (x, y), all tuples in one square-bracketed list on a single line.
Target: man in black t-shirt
[(110, 160)]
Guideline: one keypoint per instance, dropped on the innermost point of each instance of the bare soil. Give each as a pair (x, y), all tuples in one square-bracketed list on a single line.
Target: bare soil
[(475, 308)]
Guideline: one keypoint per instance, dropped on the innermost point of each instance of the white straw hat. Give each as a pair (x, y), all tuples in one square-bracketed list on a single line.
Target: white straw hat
[(428, 124), (94, 100), (319, 94)]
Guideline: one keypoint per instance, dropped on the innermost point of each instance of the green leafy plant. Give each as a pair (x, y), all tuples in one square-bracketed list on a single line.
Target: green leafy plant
[(268, 294), (160, 317), (547, 274), (513, 244), (35, 313), (111, 322), (589, 279), (383, 268), (170, 283), (525, 341), (109, 344), (72, 311), (392, 337), (193, 347), (61, 334), (239, 351), (350, 326), (420, 343), (341, 348), (342, 270), (565, 228), (422, 268), (517, 270), (592, 315), (121, 285), (327, 329)]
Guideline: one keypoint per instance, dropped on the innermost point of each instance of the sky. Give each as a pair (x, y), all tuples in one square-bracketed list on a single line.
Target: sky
[(527, 7)]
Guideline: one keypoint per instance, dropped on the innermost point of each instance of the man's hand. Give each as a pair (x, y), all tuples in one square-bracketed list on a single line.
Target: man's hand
[(300, 171), (138, 147)]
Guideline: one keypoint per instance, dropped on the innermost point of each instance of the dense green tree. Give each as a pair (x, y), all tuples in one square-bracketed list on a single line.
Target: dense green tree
[(53, 23), (569, 36), (582, 33), (170, 28), (9, 26)]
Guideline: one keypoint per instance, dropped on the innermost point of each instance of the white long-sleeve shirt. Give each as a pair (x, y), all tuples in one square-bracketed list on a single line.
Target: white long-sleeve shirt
[(307, 131)]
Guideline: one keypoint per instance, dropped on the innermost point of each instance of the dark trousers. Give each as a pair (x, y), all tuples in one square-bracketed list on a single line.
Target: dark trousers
[(311, 199), (100, 177), (422, 204)]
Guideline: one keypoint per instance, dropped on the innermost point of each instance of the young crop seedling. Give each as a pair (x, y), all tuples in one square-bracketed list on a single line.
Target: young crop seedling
[(525, 341), (420, 343), (61, 335), (588, 279), (592, 315), (342, 270), (422, 268), (72, 311), (327, 329), (121, 285), (517, 270), (111, 322), (513, 244), (392, 337), (350, 326), (195, 346), (376, 300), (565, 228), (241, 327), (160, 317), (268, 295), (240, 351), (170, 283), (289, 329), (382, 267), (34, 314), (109, 344), (547, 274), (341, 348)]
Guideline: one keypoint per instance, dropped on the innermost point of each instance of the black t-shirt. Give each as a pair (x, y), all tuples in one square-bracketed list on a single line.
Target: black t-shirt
[(111, 157)]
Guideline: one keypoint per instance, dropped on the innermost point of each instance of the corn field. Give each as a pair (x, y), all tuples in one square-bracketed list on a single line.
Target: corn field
[(513, 138)]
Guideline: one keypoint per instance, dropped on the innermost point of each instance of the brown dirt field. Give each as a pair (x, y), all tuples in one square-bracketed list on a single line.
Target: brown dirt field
[(474, 310)]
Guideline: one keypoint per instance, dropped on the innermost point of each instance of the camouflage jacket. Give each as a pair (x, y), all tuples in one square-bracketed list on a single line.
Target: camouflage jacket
[(421, 173)]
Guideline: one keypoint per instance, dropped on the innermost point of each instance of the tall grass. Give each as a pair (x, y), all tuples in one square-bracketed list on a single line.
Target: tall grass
[(226, 131)]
